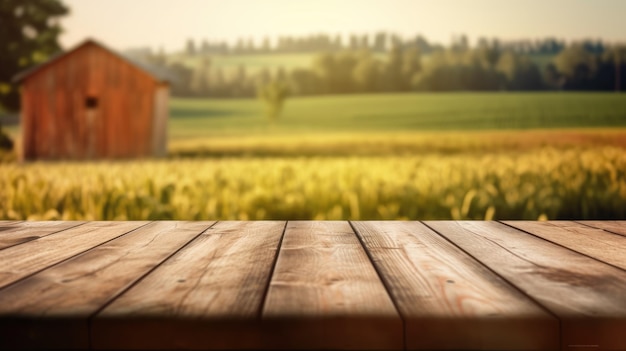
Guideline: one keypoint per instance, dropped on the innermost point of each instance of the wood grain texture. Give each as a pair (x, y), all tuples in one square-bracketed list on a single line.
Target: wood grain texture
[(597, 243), (325, 293), (447, 299), (207, 296), (51, 309), (19, 261), (17, 232), (586, 295), (5, 222), (617, 227)]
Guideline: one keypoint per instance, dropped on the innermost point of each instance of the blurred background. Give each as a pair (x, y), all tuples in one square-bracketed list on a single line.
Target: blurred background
[(314, 109)]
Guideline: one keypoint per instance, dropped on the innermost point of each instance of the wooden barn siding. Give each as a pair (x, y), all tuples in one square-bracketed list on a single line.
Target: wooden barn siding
[(159, 133), (57, 123)]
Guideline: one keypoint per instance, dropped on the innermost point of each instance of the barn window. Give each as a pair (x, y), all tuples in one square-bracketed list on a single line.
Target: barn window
[(91, 102)]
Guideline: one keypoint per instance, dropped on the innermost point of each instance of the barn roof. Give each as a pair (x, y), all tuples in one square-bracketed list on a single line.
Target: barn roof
[(159, 73)]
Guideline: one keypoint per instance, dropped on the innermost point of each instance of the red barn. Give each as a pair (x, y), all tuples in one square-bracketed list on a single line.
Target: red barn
[(92, 103)]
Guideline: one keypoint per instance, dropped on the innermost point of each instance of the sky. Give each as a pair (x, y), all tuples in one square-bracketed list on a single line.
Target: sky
[(167, 24)]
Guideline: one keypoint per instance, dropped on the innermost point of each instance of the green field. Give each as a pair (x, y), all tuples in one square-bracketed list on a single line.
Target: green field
[(401, 156), (399, 113), (392, 124)]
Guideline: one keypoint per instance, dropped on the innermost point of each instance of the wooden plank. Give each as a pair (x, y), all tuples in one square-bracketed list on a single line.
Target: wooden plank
[(51, 308), (8, 222), (617, 227), (325, 293), (447, 299), (597, 243), (209, 294), (19, 261), (586, 295), (15, 233), (8, 225)]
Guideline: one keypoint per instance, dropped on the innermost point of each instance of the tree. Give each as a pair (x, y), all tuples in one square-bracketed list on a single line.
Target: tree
[(393, 69), (577, 65), (28, 35), (422, 44), (181, 86), (5, 141), (205, 47), (190, 48), (365, 45), (380, 41), (304, 82), (552, 77), (366, 73), (354, 42), (337, 43), (266, 47), (218, 85), (324, 67), (273, 95), (250, 46), (239, 82), (520, 72), (199, 84), (411, 65)]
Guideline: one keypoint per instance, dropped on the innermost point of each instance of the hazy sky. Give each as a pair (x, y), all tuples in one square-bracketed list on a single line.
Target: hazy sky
[(125, 24)]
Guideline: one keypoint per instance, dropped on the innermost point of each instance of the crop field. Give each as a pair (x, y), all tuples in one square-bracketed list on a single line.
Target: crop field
[(430, 156), (545, 183)]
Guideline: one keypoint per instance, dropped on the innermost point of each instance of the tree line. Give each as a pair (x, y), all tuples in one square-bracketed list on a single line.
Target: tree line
[(402, 68), (383, 62), (378, 42)]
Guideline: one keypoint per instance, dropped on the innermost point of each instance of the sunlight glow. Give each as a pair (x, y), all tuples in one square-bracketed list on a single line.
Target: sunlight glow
[(167, 23)]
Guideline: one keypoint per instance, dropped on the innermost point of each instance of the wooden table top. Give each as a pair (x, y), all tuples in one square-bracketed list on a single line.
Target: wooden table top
[(435, 285)]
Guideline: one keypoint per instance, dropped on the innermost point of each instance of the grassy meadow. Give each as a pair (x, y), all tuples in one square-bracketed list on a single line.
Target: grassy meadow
[(396, 156)]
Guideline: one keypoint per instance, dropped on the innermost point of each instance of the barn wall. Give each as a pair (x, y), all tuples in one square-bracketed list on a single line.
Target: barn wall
[(58, 124), (161, 107)]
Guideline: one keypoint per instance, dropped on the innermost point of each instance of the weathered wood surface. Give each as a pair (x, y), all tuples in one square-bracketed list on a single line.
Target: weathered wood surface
[(439, 288), (208, 295), (80, 286), (325, 293), (597, 243), (617, 227), (17, 232), (588, 296), (434, 285), (20, 261)]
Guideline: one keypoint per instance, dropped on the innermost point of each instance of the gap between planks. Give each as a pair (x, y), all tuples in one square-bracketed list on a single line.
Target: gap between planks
[(596, 243), (586, 294), (67, 293)]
